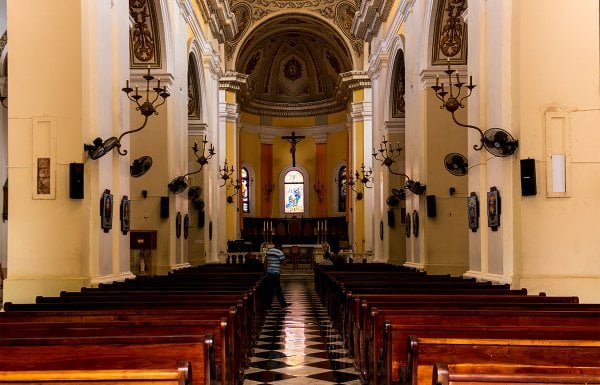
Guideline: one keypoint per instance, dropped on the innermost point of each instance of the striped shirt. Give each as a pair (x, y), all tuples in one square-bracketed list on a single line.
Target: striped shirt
[(274, 259)]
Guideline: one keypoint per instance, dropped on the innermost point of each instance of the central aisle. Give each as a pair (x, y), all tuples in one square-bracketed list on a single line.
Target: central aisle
[(297, 345)]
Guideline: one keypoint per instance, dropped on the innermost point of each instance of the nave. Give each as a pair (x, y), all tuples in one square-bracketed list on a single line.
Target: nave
[(298, 345)]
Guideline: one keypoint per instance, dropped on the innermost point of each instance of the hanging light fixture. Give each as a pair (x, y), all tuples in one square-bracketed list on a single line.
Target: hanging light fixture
[(387, 154), (179, 183), (147, 108), (496, 141)]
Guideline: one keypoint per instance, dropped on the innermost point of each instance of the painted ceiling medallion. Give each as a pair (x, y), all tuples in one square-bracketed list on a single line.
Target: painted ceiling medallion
[(292, 69)]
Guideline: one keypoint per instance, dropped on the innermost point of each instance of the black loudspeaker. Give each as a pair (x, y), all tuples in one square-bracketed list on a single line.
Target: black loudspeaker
[(164, 207), (76, 180), (431, 209), (391, 218), (528, 184), (201, 217)]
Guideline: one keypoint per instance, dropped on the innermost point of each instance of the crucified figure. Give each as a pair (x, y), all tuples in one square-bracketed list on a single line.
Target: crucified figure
[(293, 139)]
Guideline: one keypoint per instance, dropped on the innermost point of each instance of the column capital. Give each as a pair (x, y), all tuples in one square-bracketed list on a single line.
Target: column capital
[(233, 81), (356, 80)]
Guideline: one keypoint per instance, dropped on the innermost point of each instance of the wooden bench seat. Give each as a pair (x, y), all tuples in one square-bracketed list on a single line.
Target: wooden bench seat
[(172, 376), (107, 353), (424, 353), (384, 342), (486, 374)]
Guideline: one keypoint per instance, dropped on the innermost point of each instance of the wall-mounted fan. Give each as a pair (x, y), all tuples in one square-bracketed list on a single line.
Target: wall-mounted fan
[(100, 147), (194, 193), (499, 142), (415, 187), (456, 164), (178, 185), (140, 166), (397, 196)]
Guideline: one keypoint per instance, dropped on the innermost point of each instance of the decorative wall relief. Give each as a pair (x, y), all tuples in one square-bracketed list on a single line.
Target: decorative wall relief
[(106, 211), (144, 41), (43, 176), (450, 33)]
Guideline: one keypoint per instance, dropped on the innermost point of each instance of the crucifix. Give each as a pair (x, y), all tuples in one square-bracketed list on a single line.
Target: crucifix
[(293, 139)]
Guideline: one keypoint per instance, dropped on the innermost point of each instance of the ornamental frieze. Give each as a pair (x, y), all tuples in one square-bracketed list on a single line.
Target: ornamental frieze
[(144, 40)]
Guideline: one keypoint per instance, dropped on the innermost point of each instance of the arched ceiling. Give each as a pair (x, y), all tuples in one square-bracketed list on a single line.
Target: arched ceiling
[(293, 63)]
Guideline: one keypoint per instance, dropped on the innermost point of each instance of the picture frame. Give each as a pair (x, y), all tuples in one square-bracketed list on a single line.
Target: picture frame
[(415, 218), (473, 211), (106, 211), (186, 226), (178, 225), (493, 208), (125, 211), (407, 221)]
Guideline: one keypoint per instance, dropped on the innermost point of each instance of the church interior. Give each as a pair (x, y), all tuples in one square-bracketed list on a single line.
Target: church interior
[(422, 141)]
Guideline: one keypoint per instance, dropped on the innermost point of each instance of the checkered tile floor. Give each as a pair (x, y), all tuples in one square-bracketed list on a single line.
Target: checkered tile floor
[(297, 345)]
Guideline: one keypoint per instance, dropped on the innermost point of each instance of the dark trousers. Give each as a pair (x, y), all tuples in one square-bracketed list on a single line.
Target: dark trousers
[(273, 287)]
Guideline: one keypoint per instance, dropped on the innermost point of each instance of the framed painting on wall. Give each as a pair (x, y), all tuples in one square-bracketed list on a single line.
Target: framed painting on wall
[(106, 209), (493, 208), (473, 211), (125, 214)]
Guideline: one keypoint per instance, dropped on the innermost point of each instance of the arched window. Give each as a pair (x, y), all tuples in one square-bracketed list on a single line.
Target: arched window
[(293, 192), (398, 88), (342, 188), (245, 190)]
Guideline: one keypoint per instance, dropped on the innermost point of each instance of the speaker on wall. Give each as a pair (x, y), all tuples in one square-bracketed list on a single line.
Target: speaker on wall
[(76, 180), (201, 217), (528, 183), (431, 209), (391, 218), (164, 207)]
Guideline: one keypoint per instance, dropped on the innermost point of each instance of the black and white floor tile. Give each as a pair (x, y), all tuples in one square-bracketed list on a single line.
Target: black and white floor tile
[(297, 345)]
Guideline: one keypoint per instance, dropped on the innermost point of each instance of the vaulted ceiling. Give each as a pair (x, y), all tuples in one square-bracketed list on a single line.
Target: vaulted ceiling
[(293, 63)]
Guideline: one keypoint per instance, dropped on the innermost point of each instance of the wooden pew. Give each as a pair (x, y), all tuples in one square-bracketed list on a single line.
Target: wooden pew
[(231, 347), (386, 341), (170, 376), (424, 353), (485, 374), (106, 352)]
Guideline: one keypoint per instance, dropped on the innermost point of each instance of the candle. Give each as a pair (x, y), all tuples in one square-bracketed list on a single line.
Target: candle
[(127, 83), (437, 80), (442, 87), (136, 91), (457, 79), (158, 86), (470, 80)]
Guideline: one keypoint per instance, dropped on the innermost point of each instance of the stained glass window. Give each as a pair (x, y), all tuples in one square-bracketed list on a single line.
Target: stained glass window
[(342, 188), (245, 191), (294, 192)]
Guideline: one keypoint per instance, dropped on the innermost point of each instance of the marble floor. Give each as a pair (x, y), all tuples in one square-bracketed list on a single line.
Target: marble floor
[(297, 345)]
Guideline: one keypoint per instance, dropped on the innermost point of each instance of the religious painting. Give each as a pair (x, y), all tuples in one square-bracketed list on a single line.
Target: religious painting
[(125, 214), (186, 226), (493, 208), (178, 225), (407, 221), (106, 209), (473, 211), (415, 218)]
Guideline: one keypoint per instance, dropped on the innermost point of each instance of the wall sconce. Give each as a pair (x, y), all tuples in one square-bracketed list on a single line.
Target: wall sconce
[(225, 174), (387, 155), (496, 141), (318, 189), (99, 147), (237, 187), (268, 187), (178, 184), (351, 182), (365, 176)]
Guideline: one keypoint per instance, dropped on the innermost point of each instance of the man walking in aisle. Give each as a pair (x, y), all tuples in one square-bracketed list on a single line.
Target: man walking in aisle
[(275, 258)]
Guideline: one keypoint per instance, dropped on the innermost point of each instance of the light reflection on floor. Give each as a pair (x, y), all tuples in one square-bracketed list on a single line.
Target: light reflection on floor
[(297, 345)]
